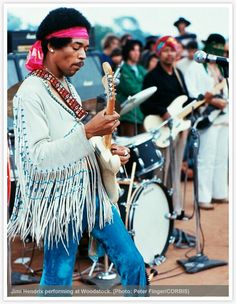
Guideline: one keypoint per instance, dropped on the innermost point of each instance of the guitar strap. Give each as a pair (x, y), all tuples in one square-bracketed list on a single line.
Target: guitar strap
[(180, 81), (70, 101)]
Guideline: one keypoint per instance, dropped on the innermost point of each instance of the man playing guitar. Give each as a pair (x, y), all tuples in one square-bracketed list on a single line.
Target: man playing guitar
[(170, 84), (60, 191)]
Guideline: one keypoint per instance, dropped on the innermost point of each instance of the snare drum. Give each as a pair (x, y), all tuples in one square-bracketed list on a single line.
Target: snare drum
[(148, 221), (143, 151)]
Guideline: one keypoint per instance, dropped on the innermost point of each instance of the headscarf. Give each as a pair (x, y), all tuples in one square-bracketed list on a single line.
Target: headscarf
[(35, 56), (164, 42)]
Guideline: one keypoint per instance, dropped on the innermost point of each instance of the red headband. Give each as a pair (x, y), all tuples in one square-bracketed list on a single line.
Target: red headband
[(34, 59)]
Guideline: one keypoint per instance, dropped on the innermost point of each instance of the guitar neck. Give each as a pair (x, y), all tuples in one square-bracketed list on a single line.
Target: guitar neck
[(190, 107), (110, 106), (109, 111), (108, 82), (197, 104)]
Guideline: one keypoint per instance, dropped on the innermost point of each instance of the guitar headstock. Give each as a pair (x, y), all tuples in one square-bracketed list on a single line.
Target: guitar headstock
[(109, 85), (108, 81)]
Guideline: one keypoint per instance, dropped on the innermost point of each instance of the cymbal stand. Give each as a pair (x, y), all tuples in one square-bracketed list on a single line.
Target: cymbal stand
[(136, 123), (171, 165)]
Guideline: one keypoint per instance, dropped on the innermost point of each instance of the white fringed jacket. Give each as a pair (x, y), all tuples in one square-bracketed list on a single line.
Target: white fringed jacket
[(57, 167)]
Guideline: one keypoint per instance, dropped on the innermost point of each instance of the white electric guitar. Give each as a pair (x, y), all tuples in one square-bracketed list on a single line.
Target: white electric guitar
[(155, 121), (177, 113), (109, 164)]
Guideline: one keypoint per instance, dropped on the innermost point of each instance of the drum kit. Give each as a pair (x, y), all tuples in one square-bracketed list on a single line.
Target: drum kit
[(150, 204), (149, 216)]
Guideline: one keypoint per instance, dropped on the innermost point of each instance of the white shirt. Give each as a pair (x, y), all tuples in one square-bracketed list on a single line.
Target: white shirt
[(200, 81), (196, 78), (57, 167)]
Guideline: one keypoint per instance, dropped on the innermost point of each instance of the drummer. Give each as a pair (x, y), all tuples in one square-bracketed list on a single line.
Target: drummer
[(131, 82)]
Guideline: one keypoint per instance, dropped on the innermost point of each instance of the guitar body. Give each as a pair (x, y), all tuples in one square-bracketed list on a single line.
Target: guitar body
[(153, 121), (178, 112), (109, 166), (177, 105)]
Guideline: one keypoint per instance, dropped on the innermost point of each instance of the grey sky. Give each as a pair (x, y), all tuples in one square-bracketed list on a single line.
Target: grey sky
[(157, 20)]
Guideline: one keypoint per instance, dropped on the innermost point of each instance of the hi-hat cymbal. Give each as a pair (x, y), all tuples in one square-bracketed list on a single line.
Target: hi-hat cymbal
[(135, 100), (10, 95)]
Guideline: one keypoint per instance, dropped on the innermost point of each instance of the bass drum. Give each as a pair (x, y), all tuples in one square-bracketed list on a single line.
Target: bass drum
[(148, 221)]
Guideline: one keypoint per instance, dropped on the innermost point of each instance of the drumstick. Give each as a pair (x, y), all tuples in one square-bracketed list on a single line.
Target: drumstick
[(129, 193)]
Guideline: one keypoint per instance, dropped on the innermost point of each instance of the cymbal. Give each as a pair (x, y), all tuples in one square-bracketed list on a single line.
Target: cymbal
[(135, 100), (10, 95)]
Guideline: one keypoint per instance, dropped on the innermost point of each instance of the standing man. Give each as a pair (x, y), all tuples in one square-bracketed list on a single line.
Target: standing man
[(170, 84), (213, 149), (194, 73), (214, 140), (60, 191), (131, 82), (184, 37)]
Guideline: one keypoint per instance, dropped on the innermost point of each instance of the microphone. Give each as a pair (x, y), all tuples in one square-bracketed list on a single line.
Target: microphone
[(202, 57)]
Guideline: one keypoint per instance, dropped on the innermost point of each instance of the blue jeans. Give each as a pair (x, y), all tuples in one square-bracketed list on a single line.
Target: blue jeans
[(58, 265)]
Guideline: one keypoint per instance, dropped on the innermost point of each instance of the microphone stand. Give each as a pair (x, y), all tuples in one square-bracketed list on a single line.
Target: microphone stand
[(172, 158), (200, 261)]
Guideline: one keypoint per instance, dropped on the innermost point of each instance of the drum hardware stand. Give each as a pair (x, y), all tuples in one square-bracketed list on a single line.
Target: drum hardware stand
[(174, 215), (136, 124), (104, 279), (179, 237), (158, 260), (88, 270), (108, 274), (200, 261)]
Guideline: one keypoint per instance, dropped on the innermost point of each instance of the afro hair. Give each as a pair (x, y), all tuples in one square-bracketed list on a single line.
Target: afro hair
[(59, 19)]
